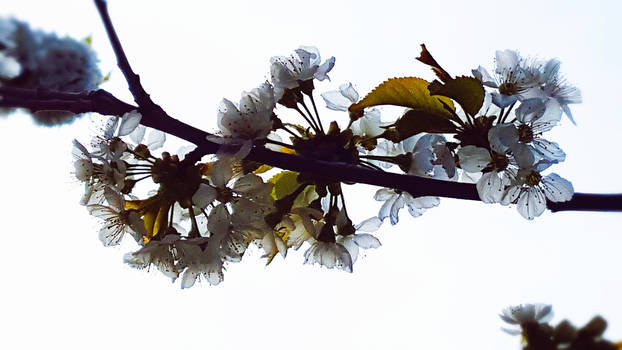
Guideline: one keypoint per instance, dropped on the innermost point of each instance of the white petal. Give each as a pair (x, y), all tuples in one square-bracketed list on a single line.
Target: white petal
[(384, 194), (79, 151), (348, 91), (336, 101), (502, 101), (221, 172), (473, 159), (506, 60), (491, 187), (482, 75), (530, 110), (189, 277), (502, 137), (369, 225), (556, 188), (366, 241), (322, 71), (129, 122), (531, 203), (114, 198), (204, 195), (550, 151), (351, 247), (138, 134), (156, 139)]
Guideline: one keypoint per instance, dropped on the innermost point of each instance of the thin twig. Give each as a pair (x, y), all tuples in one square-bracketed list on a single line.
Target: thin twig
[(133, 80)]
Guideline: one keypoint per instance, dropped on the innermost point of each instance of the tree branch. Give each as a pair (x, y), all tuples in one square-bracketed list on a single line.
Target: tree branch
[(99, 101), (103, 102), (141, 97)]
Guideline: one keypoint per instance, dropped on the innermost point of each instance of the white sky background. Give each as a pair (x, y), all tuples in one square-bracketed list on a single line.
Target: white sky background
[(438, 281)]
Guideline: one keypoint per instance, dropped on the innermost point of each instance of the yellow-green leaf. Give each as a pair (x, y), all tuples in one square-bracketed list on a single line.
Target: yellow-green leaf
[(415, 122), (305, 198), (406, 92), (262, 169), (467, 91), (285, 183)]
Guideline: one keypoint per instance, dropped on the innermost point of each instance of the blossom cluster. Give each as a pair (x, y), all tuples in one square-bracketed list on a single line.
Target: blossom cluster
[(201, 216), (498, 141), (536, 332), (35, 59)]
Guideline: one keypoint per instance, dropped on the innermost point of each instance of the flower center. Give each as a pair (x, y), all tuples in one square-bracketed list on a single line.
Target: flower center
[(533, 179), (500, 161), (525, 134), (508, 89)]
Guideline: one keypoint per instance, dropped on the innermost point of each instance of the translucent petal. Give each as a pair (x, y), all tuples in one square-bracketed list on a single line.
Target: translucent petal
[(511, 195), (482, 74), (351, 246), (530, 110), (418, 205), (473, 159), (218, 222), (395, 209), (348, 91), (383, 194), (491, 187), (548, 150), (503, 101), (129, 122), (221, 172), (189, 278), (369, 225), (156, 139), (79, 151), (336, 101), (366, 241), (110, 127), (204, 195), (523, 155), (111, 234), (502, 137), (551, 116), (531, 203), (556, 188), (322, 71), (544, 313), (506, 61), (114, 198), (138, 134)]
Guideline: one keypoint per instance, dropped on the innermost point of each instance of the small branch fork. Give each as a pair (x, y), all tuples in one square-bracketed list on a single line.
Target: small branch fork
[(105, 103)]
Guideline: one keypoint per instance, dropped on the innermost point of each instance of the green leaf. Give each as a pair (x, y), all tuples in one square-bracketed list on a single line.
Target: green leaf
[(467, 91), (307, 196), (415, 122), (406, 92), (285, 183)]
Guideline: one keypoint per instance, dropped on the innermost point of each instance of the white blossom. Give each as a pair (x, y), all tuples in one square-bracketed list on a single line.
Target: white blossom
[(396, 200), (117, 220), (305, 64), (513, 76), (249, 120), (329, 254), (369, 125), (530, 190), (524, 314)]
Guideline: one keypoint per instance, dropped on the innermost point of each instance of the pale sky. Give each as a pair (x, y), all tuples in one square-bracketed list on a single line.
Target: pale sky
[(438, 281)]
